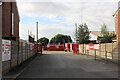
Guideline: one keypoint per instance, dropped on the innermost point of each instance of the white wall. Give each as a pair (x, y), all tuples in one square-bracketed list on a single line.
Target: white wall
[(92, 37)]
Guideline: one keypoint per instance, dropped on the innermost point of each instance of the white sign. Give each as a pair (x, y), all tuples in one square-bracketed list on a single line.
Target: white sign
[(93, 47), (96, 46), (6, 50)]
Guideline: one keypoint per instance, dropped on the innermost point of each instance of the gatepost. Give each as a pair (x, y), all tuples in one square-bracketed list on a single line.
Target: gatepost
[(0, 40)]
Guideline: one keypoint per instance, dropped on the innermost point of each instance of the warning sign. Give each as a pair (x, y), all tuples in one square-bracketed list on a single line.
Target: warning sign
[(93, 47), (6, 50)]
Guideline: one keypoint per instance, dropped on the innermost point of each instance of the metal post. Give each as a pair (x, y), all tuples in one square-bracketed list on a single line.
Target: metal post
[(37, 34), (0, 40), (88, 52), (95, 54), (106, 55), (112, 49), (37, 31), (76, 31)]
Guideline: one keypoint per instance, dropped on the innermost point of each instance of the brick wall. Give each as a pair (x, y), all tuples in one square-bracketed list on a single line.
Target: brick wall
[(118, 26), (118, 32), (6, 27)]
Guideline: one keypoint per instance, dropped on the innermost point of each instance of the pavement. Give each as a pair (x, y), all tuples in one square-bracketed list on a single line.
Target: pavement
[(53, 64)]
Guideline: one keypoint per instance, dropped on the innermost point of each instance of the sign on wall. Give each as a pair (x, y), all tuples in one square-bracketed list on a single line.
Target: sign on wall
[(93, 47), (6, 50), (32, 47)]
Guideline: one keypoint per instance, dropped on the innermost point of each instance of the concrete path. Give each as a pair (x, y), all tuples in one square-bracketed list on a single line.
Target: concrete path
[(67, 65)]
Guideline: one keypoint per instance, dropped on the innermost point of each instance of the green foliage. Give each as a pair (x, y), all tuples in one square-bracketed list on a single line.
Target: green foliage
[(104, 30), (83, 34), (60, 38), (44, 41), (106, 36)]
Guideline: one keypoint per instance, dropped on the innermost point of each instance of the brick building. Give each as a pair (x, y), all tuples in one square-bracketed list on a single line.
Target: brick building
[(118, 23), (10, 21), (117, 14)]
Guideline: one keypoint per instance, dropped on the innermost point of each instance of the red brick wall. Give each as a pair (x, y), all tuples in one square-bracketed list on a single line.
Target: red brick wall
[(118, 26), (7, 20)]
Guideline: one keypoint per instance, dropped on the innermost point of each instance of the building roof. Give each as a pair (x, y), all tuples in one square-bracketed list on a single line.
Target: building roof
[(98, 33)]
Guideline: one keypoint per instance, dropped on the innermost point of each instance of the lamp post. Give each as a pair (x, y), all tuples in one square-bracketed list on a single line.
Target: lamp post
[(37, 31), (0, 40), (76, 32)]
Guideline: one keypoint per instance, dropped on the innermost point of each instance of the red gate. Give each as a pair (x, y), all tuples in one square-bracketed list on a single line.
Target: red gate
[(39, 48)]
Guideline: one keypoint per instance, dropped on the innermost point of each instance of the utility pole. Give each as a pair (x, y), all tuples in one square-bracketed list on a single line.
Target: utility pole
[(37, 31), (0, 40), (81, 15), (76, 32)]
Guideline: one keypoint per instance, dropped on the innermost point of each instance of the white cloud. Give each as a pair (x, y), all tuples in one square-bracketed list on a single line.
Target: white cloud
[(93, 12), (45, 30), (65, 1)]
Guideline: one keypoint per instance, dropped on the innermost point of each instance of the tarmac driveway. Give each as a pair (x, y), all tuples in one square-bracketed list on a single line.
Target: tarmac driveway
[(67, 65)]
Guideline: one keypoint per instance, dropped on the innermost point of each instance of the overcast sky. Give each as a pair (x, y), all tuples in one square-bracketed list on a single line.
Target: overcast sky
[(59, 17)]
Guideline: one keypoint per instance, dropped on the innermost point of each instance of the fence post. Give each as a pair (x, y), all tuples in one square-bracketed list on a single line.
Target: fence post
[(18, 53), (112, 49), (106, 55), (85, 48), (100, 50), (21, 51), (95, 54), (88, 52), (82, 48), (105, 50), (11, 54)]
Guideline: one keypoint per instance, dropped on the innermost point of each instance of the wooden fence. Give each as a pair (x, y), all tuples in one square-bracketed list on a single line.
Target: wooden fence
[(106, 51)]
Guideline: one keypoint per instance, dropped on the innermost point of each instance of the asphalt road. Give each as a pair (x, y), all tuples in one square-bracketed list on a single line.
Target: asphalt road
[(67, 65)]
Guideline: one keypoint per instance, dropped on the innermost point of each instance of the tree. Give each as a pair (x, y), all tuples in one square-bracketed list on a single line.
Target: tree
[(60, 38), (83, 33), (104, 30), (106, 36), (44, 41)]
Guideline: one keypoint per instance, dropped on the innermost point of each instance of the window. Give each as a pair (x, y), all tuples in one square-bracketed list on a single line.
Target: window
[(12, 23)]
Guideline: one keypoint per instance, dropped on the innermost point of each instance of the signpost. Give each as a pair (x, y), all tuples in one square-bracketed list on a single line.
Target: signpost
[(93, 47), (0, 40)]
